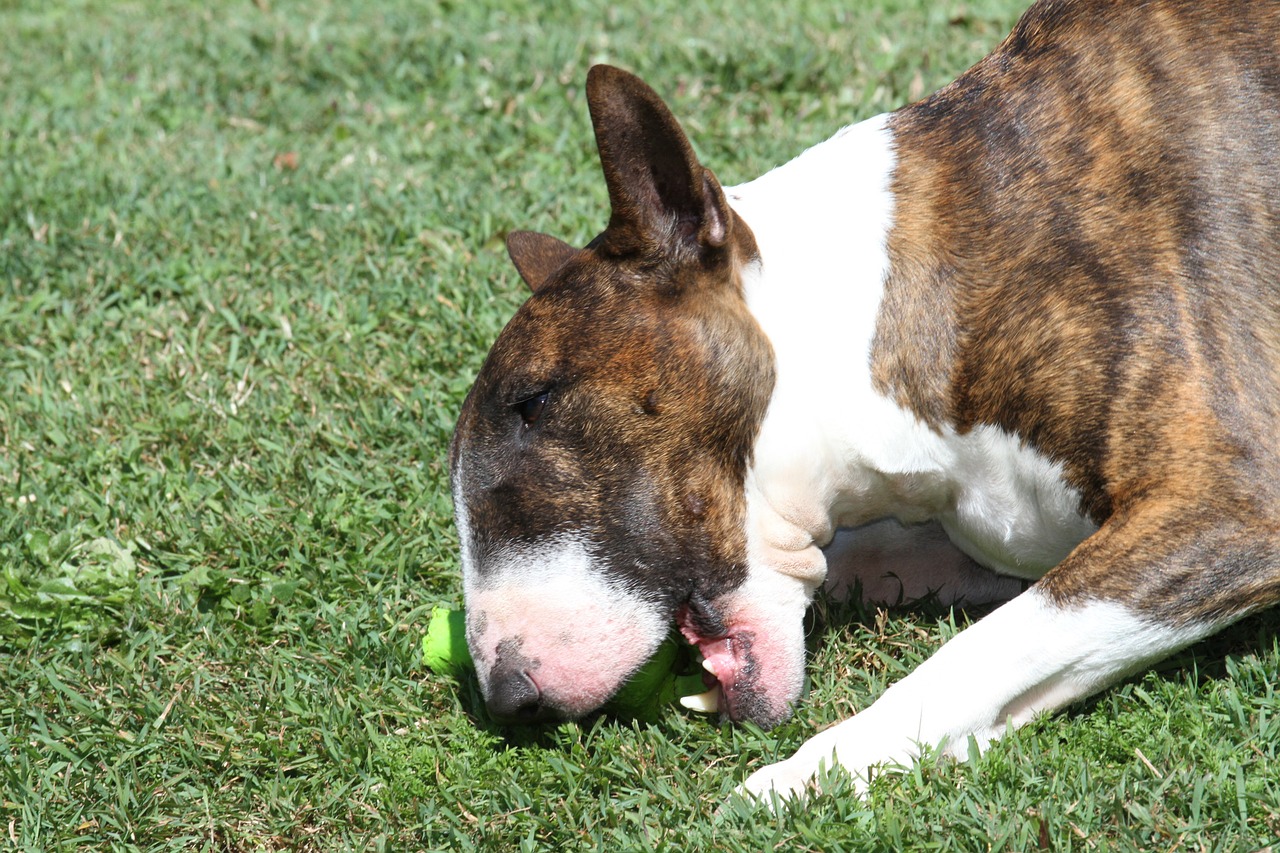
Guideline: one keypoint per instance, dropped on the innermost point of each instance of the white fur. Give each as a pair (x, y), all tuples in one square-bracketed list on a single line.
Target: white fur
[(462, 521), (1028, 657), (832, 451)]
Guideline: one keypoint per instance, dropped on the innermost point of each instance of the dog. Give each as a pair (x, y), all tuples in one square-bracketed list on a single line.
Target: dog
[(1020, 339)]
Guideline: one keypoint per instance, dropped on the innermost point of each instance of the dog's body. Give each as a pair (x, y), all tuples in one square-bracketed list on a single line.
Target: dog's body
[(1039, 309)]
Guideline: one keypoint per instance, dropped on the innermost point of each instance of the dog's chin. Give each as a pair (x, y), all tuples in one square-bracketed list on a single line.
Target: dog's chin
[(762, 708)]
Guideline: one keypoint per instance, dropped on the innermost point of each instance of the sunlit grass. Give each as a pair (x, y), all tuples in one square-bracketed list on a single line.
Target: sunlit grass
[(250, 259)]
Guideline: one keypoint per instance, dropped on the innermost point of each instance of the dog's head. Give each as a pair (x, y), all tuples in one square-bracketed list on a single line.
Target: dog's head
[(599, 460)]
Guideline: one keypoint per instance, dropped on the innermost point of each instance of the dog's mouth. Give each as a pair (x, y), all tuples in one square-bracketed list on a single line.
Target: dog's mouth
[(725, 658), (752, 655)]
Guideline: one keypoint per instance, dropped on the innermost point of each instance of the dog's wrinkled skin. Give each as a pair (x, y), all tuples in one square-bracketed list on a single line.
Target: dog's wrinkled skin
[(1031, 324)]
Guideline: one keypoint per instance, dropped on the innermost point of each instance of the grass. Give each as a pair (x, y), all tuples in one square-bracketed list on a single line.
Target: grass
[(250, 258)]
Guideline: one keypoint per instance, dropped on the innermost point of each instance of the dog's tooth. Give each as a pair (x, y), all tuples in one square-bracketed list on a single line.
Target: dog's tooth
[(706, 664), (706, 703)]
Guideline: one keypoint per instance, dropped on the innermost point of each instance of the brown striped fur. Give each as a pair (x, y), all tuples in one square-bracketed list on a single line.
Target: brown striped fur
[(656, 374), (1086, 253)]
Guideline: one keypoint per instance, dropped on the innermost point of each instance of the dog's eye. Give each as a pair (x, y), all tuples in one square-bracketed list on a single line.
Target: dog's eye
[(530, 410)]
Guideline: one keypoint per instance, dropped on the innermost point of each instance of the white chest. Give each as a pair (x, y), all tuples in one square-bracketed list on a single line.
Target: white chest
[(832, 451), (1001, 502)]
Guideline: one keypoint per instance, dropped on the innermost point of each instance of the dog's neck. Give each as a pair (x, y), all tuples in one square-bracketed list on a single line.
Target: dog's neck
[(838, 447), (821, 223)]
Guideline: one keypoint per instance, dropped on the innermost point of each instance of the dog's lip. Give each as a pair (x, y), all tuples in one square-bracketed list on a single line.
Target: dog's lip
[(699, 620), (718, 656)]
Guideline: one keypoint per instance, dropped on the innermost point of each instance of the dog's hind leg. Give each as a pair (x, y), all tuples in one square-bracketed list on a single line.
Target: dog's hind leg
[(889, 563)]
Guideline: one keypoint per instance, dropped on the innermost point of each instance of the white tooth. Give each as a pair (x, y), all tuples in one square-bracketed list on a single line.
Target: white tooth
[(706, 703), (706, 664)]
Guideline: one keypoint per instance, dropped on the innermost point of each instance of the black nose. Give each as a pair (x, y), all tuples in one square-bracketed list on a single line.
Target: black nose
[(514, 697)]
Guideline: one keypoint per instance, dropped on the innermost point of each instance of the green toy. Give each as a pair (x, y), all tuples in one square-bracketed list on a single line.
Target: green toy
[(669, 674), (444, 648)]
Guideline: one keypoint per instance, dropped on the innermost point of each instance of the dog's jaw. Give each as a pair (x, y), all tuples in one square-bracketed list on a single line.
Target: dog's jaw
[(752, 641)]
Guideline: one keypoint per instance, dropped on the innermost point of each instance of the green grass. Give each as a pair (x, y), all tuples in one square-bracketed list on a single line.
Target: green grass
[(250, 259)]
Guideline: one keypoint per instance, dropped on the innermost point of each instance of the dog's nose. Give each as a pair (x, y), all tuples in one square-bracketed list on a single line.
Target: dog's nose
[(513, 696)]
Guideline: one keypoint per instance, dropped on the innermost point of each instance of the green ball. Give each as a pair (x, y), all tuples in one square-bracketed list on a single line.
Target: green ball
[(639, 691), (660, 682), (444, 648)]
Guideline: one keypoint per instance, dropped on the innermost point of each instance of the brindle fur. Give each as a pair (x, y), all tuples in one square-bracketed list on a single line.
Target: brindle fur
[(1117, 304), (657, 374)]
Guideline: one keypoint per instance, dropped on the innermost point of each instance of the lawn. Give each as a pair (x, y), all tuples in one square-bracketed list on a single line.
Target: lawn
[(250, 258)]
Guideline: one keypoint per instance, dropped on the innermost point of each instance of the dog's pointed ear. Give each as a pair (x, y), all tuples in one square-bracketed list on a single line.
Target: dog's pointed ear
[(537, 256), (657, 187)]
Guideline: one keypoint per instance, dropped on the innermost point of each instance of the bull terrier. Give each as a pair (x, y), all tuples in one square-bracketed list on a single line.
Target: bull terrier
[(1019, 339)]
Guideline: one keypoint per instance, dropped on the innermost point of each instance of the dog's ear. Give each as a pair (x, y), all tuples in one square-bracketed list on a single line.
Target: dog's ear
[(657, 187), (537, 256)]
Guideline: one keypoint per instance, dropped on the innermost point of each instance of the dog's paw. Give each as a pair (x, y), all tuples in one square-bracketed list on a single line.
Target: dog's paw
[(810, 771), (774, 785)]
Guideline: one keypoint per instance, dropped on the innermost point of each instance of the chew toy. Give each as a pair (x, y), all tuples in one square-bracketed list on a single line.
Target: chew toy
[(444, 648), (669, 674)]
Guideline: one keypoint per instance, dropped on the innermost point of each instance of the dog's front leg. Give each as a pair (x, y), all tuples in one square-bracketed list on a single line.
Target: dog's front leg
[(1055, 643), (1029, 655)]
